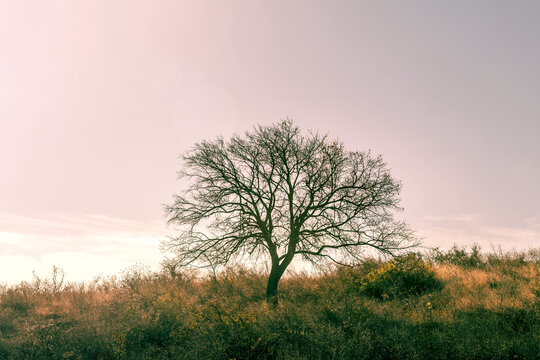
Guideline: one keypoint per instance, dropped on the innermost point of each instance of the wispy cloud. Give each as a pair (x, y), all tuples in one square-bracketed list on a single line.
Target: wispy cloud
[(469, 229), (90, 245), (84, 246), (59, 223)]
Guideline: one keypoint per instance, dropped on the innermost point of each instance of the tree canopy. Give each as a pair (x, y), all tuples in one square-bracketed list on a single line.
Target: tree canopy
[(280, 193)]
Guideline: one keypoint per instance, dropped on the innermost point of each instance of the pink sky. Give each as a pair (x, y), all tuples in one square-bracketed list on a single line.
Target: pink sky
[(98, 98)]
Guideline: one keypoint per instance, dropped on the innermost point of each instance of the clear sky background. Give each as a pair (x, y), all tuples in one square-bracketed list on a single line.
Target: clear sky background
[(98, 99)]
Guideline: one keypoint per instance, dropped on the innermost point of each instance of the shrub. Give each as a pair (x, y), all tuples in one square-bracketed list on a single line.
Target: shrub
[(460, 256), (7, 322), (153, 336), (17, 300), (400, 277)]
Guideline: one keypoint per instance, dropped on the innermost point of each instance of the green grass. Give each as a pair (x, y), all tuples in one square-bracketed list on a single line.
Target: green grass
[(449, 308)]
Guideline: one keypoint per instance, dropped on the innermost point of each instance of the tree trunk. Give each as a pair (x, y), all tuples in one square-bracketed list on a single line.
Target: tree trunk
[(272, 287)]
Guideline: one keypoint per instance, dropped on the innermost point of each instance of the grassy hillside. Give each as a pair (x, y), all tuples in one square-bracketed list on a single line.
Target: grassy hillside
[(446, 305)]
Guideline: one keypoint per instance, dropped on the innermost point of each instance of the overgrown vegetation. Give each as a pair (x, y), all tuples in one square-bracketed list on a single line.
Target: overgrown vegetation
[(401, 277), (456, 304)]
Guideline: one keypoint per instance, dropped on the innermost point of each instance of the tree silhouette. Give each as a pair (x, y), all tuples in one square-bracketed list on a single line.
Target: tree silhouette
[(278, 193)]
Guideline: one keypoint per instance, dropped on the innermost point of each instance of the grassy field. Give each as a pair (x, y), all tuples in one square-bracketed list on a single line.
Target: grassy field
[(443, 305)]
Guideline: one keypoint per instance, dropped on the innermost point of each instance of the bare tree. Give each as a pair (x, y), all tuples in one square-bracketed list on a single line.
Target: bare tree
[(278, 193)]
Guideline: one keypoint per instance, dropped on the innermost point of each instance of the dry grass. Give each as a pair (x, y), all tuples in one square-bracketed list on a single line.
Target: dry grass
[(481, 312), (490, 289)]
